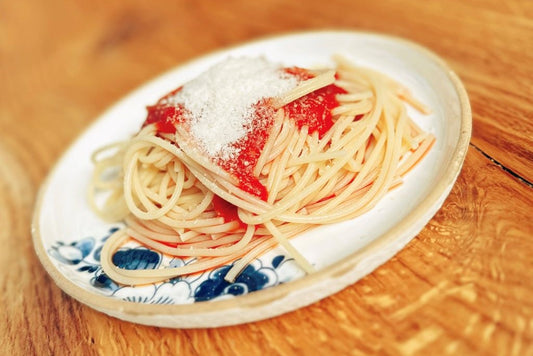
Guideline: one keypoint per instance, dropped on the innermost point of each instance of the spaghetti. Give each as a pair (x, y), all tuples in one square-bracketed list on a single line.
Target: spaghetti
[(307, 148)]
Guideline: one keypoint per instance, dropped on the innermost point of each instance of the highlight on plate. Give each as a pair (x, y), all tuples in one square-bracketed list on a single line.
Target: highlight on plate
[(250, 154)]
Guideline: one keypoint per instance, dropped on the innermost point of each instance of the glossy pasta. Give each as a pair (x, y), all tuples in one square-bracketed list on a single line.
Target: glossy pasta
[(178, 200)]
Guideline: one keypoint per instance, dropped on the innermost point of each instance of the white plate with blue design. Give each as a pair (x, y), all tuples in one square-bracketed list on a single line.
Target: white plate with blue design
[(68, 237)]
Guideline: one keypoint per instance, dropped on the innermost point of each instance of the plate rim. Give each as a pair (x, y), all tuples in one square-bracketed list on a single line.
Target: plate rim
[(131, 310)]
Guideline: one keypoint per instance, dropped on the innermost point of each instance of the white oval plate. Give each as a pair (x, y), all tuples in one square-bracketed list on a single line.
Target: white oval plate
[(68, 236)]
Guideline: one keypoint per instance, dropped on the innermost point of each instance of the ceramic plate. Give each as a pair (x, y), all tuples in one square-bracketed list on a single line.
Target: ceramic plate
[(68, 237)]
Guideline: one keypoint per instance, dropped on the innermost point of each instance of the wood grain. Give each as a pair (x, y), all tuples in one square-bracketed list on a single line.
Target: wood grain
[(463, 286)]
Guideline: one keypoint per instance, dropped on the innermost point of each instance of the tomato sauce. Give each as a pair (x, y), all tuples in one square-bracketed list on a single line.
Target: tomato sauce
[(226, 210), (249, 149), (300, 73), (165, 117), (313, 110)]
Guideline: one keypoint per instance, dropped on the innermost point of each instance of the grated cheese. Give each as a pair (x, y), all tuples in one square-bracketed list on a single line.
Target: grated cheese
[(220, 102)]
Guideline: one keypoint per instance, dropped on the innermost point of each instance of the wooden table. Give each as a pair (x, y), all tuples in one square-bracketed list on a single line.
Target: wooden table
[(462, 287)]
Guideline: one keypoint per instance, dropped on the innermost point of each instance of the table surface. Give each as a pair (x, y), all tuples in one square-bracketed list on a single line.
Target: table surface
[(462, 286)]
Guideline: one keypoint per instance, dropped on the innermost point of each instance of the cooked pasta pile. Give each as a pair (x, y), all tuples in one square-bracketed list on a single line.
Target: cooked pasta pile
[(216, 205)]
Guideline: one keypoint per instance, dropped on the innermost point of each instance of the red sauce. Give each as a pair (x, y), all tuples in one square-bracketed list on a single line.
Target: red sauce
[(249, 149), (164, 116), (314, 109), (300, 73), (226, 210)]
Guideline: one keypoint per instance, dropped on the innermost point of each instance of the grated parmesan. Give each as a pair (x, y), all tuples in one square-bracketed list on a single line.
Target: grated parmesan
[(220, 102)]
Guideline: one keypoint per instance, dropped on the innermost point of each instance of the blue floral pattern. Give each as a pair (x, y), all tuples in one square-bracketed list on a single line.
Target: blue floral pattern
[(83, 258)]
